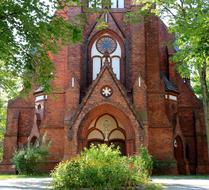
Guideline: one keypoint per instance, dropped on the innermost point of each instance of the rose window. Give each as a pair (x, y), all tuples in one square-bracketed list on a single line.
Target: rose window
[(106, 45)]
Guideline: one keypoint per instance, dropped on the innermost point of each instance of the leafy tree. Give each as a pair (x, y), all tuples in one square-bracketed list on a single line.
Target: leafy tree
[(29, 30), (189, 20), (2, 125), (197, 86)]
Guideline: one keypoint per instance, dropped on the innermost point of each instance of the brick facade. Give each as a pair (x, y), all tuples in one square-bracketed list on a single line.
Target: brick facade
[(151, 104)]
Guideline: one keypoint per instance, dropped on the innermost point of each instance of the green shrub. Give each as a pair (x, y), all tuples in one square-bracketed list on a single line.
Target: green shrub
[(28, 159), (142, 164), (67, 175), (110, 167), (102, 168), (95, 168)]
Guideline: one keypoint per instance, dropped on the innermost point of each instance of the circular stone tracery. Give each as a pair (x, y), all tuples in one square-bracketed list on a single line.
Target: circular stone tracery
[(106, 45), (106, 91)]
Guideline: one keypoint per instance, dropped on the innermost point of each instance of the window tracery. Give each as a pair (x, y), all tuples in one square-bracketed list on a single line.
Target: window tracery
[(106, 50), (106, 130), (106, 45)]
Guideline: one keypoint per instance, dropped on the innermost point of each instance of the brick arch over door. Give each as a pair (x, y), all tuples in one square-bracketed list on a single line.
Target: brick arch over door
[(130, 130)]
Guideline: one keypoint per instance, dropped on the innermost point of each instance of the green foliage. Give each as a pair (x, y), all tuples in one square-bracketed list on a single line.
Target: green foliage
[(195, 81), (28, 31), (103, 167), (9, 83), (189, 20), (28, 160), (2, 125), (96, 168), (142, 164), (5, 94)]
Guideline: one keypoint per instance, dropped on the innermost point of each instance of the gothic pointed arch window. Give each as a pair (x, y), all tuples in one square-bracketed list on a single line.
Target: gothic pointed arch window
[(106, 49)]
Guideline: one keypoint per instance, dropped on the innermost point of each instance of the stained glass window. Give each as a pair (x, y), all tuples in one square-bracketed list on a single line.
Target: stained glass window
[(106, 45), (103, 45)]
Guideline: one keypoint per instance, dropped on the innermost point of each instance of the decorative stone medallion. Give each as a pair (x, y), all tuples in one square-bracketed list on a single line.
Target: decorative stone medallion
[(106, 45), (106, 91)]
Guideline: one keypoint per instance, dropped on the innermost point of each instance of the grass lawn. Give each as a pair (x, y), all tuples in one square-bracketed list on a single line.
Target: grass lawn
[(21, 176)]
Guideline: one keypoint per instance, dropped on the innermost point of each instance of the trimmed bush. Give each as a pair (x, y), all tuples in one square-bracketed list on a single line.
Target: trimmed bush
[(28, 159), (95, 168), (102, 167)]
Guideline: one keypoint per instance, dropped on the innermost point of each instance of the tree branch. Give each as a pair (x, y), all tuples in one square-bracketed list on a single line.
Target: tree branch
[(168, 10)]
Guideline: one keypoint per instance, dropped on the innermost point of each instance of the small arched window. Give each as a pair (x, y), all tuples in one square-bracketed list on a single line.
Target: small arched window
[(106, 48)]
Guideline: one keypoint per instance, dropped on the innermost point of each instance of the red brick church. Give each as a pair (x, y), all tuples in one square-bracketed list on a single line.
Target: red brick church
[(117, 86)]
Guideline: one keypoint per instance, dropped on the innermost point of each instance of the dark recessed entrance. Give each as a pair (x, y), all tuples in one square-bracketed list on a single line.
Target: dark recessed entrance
[(179, 155), (106, 130)]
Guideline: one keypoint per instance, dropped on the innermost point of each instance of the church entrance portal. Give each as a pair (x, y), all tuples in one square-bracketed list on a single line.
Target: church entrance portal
[(107, 130)]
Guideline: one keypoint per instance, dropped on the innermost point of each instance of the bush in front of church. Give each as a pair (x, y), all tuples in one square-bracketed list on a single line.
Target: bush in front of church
[(28, 160), (102, 167), (98, 167), (142, 165)]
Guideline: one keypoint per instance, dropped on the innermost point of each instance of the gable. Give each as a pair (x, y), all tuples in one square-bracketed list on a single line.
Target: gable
[(96, 95)]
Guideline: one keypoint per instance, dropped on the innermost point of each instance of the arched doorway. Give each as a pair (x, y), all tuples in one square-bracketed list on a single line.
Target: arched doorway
[(128, 128), (179, 155), (106, 130)]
